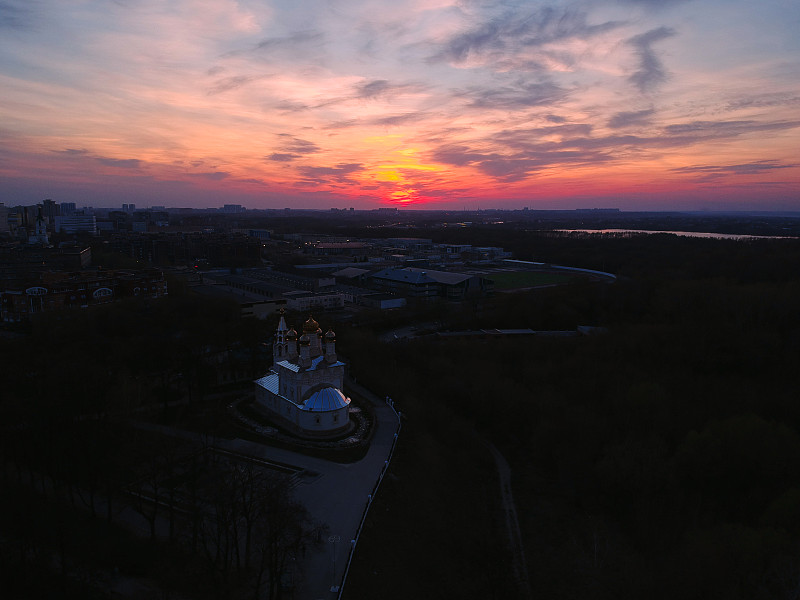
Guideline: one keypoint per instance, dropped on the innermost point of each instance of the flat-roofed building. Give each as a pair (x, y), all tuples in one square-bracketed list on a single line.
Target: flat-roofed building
[(76, 223), (426, 283)]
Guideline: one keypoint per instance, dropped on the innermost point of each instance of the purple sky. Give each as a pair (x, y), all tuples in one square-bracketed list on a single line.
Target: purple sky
[(637, 104)]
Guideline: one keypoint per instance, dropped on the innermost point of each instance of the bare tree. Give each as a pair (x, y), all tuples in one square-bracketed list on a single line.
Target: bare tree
[(150, 488), (251, 529), (283, 530)]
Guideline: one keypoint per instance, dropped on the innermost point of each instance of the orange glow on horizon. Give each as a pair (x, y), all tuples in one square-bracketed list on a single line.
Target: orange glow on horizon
[(265, 105)]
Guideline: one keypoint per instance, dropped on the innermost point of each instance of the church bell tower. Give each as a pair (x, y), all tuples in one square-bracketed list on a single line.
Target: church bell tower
[(280, 349)]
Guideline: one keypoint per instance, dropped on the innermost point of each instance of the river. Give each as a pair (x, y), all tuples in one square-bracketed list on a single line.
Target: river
[(699, 234)]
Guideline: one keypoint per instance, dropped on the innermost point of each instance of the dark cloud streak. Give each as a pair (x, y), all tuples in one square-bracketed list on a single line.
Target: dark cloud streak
[(725, 129), (397, 120), (763, 100), (16, 15), (628, 119), (282, 157), (322, 175), (520, 96), (296, 145), (653, 4), (212, 176), (373, 89), (73, 151), (753, 168), (82, 153), (651, 71), (529, 154), (509, 34), (519, 165), (292, 40), (123, 163), (231, 83), (292, 148)]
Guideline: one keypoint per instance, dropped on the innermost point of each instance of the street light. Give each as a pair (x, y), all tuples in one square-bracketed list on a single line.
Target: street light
[(333, 539)]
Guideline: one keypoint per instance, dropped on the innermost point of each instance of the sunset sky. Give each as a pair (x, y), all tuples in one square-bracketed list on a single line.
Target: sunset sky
[(636, 104)]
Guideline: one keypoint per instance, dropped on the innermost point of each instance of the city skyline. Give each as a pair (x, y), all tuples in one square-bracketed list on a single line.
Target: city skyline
[(636, 104)]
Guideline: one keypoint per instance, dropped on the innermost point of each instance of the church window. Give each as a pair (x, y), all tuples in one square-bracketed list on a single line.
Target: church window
[(316, 419)]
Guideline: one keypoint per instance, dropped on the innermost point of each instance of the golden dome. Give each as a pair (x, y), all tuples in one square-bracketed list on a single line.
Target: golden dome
[(310, 326), (291, 334), (330, 335)]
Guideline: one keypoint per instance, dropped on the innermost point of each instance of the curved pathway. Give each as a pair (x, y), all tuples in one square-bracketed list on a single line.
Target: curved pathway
[(336, 494), (339, 497)]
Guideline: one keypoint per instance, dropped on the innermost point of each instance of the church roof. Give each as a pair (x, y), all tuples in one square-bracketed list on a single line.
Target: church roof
[(316, 363), (328, 398), (269, 382), (282, 322), (310, 326)]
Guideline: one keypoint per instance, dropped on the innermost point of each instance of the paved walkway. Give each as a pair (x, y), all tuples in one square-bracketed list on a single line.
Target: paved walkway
[(337, 494), (339, 498)]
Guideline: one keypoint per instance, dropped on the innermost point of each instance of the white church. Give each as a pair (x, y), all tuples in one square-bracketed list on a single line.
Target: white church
[(303, 390)]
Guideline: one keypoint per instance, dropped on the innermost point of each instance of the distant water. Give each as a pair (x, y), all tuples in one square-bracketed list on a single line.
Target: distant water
[(698, 234)]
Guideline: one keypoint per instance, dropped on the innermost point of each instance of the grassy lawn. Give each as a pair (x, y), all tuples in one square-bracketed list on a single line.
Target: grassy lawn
[(525, 279)]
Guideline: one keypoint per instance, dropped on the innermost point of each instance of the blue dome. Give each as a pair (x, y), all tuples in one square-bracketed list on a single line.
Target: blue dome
[(328, 398)]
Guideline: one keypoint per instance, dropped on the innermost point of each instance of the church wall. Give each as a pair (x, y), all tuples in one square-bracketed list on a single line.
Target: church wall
[(295, 385), (289, 416), (278, 409), (324, 422)]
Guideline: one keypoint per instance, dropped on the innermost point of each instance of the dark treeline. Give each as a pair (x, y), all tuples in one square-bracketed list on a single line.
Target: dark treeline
[(636, 255), (422, 222), (657, 460), (664, 256)]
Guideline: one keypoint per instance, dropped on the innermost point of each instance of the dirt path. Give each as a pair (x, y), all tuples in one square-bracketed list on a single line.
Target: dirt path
[(518, 564)]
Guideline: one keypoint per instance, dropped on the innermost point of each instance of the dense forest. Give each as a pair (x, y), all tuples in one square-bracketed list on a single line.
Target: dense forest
[(79, 467), (659, 459)]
